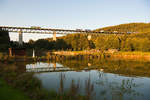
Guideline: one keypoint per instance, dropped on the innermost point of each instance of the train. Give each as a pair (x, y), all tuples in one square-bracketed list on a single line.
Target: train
[(35, 27)]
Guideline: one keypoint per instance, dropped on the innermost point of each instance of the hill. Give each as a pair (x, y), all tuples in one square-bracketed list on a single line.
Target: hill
[(130, 27)]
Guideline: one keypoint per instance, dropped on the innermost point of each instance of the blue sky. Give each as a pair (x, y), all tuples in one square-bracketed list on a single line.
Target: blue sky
[(71, 14)]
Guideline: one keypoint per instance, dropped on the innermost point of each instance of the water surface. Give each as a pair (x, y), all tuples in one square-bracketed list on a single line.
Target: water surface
[(100, 80)]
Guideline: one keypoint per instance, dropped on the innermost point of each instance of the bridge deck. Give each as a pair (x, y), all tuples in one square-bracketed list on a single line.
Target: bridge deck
[(50, 30)]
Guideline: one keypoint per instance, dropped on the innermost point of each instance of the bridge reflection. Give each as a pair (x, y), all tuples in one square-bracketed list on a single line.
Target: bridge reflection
[(48, 69), (52, 67), (45, 67)]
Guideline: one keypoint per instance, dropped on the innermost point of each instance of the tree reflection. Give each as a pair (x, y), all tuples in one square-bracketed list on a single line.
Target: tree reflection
[(127, 68), (74, 90), (62, 80), (75, 87), (89, 89), (118, 90)]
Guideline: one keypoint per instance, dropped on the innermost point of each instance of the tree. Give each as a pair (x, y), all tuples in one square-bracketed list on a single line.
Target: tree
[(42, 44), (4, 40), (77, 41), (107, 42), (60, 44)]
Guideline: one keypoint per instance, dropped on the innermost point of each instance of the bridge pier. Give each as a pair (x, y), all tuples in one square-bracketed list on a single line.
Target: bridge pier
[(20, 37), (54, 36), (89, 37)]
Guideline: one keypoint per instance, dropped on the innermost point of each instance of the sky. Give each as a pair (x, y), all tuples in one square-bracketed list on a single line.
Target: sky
[(71, 14)]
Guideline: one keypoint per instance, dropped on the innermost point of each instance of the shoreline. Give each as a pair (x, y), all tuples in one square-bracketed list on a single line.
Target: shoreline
[(66, 55), (30, 87), (114, 55)]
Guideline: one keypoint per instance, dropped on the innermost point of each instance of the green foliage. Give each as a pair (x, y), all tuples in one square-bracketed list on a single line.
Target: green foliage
[(4, 40), (60, 44), (137, 44), (107, 42), (91, 44), (78, 41), (131, 27), (138, 40), (7, 92), (41, 43), (72, 41)]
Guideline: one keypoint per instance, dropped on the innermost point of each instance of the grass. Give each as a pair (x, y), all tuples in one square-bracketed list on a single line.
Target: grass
[(118, 53), (7, 92), (24, 85), (134, 53)]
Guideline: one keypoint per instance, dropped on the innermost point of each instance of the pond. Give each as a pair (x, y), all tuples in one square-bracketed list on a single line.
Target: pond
[(100, 80)]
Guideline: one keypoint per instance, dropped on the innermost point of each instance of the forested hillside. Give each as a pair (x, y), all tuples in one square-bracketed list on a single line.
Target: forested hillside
[(131, 27)]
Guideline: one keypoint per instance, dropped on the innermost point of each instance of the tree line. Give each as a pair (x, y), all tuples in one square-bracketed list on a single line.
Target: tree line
[(4, 40), (128, 28), (79, 42)]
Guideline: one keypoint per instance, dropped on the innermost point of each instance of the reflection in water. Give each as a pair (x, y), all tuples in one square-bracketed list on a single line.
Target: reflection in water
[(89, 88), (98, 83), (74, 89), (62, 79), (119, 90), (46, 67), (54, 66)]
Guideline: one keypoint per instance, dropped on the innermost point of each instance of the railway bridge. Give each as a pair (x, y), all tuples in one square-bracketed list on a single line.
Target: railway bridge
[(21, 30)]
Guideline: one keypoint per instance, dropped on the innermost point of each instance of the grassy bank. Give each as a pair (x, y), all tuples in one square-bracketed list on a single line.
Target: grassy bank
[(106, 54), (99, 52), (80, 54), (28, 85), (145, 56), (7, 92)]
